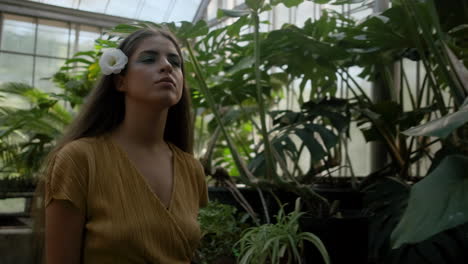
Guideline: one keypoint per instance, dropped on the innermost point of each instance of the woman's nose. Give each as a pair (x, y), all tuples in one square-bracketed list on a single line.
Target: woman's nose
[(165, 66)]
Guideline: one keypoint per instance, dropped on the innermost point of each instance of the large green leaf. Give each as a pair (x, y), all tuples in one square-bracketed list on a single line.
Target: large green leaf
[(448, 247), (437, 203), (441, 127), (125, 28), (188, 30), (234, 28)]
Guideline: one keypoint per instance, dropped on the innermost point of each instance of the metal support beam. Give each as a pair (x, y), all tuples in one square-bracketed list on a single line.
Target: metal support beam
[(201, 11), (379, 92)]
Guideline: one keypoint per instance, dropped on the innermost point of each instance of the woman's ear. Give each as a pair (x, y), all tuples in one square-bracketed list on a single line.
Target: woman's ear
[(120, 83)]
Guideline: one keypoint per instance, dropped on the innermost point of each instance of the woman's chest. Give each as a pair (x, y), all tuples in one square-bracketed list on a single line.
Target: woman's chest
[(124, 210)]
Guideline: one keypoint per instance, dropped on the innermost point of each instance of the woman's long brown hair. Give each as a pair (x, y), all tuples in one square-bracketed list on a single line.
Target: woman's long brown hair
[(102, 112)]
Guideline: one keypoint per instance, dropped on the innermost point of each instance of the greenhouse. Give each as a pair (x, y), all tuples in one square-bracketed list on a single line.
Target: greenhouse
[(232, 131)]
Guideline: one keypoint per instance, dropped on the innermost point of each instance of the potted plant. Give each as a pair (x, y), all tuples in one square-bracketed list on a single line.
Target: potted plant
[(281, 242), (417, 219), (221, 226), (28, 130)]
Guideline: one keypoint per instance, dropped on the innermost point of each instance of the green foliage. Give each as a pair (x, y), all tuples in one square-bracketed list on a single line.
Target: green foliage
[(28, 129), (254, 4), (441, 127), (238, 77), (319, 126), (221, 227), (307, 54), (425, 219), (274, 243), (236, 69), (444, 192), (387, 199)]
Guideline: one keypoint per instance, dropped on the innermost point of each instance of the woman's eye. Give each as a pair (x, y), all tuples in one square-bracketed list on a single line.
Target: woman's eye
[(147, 59), (175, 62)]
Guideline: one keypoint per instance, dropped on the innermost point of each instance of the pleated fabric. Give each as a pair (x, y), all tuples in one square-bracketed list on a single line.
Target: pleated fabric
[(125, 220)]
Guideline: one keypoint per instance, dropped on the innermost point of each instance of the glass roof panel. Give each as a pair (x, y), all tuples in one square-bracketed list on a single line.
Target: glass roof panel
[(123, 8), (153, 12), (150, 10), (93, 6), (184, 10)]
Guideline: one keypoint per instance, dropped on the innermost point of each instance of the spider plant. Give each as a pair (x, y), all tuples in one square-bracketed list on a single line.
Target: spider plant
[(281, 242)]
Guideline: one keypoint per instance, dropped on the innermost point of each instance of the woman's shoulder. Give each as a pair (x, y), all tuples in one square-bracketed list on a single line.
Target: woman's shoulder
[(179, 152), (81, 147), (189, 159)]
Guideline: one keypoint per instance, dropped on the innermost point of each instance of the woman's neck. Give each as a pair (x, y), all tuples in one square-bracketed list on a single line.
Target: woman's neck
[(143, 128)]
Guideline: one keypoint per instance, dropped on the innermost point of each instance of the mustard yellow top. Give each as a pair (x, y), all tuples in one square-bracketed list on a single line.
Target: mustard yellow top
[(125, 220)]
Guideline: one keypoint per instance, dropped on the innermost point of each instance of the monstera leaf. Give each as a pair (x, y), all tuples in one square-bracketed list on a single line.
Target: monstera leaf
[(443, 126), (436, 203), (448, 247), (318, 127)]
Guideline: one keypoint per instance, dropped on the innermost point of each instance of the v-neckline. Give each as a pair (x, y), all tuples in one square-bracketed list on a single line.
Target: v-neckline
[(143, 178)]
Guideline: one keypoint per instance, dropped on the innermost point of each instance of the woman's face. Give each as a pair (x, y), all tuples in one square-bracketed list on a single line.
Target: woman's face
[(154, 74)]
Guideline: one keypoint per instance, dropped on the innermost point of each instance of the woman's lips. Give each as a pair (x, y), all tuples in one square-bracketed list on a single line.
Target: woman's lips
[(165, 83)]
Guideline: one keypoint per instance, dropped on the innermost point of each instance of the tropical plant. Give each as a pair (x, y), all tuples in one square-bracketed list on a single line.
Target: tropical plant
[(268, 55), (28, 128), (221, 227), (421, 221), (281, 242)]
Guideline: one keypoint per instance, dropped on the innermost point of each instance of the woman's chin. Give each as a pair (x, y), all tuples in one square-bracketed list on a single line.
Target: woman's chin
[(161, 100)]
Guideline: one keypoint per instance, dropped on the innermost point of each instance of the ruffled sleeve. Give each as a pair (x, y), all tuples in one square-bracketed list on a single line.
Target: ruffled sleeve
[(67, 177)]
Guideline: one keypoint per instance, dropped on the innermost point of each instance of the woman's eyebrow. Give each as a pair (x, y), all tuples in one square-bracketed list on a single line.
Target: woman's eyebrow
[(149, 52), (157, 52)]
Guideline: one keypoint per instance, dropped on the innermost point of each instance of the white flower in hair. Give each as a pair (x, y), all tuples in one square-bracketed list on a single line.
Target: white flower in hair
[(112, 61)]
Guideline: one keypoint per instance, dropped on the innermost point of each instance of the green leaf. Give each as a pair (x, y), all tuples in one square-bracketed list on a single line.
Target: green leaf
[(441, 127), (318, 244), (125, 28), (316, 150), (188, 30), (103, 43), (321, 1), (329, 139), (78, 60), (437, 203), (458, 28), (231, 13), (289, 3), (245, 63), (254, 4), (465, 103), (387, 199), (90, 53), (197, 30), (343, 2), (234, 28)]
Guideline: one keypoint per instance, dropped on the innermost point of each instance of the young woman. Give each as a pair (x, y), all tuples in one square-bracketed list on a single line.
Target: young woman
[(122, 186)]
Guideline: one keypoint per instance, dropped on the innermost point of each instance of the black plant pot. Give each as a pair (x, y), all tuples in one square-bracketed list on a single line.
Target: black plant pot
[(346, 239), (349, 198)]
